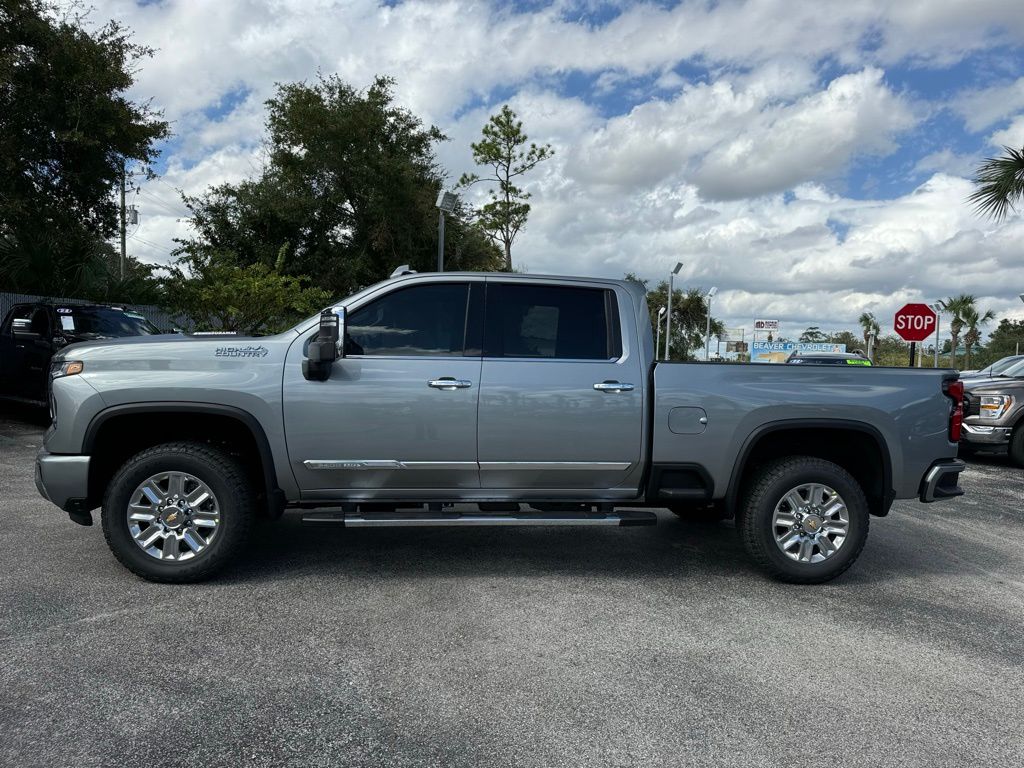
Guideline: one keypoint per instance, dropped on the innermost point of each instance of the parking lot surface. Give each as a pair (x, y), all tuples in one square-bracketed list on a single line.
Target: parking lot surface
[(515, 647)]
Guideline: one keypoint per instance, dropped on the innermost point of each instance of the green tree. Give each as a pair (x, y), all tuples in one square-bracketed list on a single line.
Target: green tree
[(689, 318), (216, 292), (503, 147), (958, 308), (1006, 339), (869, 327), (813, 335), (346, 196), (973, 320), (999, 184), (67, 128)]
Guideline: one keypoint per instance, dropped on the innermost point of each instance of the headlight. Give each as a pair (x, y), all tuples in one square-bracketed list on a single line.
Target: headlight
[(61, 368), (994, 406)]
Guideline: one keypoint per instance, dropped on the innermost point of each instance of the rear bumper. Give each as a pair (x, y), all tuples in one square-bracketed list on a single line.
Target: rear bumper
[(63, 480), (941, 480)]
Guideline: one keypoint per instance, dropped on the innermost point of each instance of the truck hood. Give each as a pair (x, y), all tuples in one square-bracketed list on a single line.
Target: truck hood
[(82, 343), (997, 383)]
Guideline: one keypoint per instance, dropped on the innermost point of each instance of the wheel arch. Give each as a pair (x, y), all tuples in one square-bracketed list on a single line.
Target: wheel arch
[(858, 447), (113, 435)]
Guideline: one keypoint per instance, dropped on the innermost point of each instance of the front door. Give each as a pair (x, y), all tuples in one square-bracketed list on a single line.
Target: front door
[(562, 391), (397, 417)]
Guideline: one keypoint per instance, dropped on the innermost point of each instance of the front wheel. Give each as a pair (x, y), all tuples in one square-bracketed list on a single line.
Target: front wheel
[(1016, 446), (178, 512), (803, 519)]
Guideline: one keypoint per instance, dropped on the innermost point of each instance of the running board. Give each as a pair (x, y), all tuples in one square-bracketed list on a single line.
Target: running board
[(422, 519)]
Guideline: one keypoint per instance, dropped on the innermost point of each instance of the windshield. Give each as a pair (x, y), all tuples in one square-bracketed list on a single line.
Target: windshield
[(1016, 369), (1001, 366), (102, 321)]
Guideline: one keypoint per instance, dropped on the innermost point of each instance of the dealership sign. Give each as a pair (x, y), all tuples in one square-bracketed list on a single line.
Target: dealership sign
[(779, 351), (766, 325)]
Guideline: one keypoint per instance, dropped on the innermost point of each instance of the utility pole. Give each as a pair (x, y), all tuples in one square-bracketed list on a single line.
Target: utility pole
[(668, 316), (124, 238)]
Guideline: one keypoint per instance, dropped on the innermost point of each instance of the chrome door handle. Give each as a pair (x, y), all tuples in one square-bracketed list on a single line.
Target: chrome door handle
[(449, 384), (613, 386)]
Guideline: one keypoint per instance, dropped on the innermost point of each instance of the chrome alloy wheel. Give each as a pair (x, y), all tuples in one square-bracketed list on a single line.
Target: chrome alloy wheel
[(810, 523), (173, 516)]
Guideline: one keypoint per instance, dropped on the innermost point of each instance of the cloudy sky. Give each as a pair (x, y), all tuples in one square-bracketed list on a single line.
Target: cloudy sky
[(811, 159)]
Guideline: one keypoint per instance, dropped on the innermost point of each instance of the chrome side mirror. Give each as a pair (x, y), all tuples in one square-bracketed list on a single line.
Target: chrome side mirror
[(326, 347)]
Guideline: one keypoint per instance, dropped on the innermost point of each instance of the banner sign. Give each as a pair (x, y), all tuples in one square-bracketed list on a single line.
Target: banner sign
[(732, 334), (766, 325), (779, 351)]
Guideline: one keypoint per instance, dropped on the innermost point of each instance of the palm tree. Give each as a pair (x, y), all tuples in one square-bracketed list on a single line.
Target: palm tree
[(869, 325), (973, 320), (999, 183), (958, 307)]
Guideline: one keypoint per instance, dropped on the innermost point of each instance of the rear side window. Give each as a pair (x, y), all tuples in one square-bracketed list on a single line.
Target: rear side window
[(552, 322), (422, 320)]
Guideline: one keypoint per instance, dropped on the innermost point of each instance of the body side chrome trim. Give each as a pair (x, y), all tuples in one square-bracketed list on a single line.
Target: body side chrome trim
[(555, 465), (331, 464), (355, 464)]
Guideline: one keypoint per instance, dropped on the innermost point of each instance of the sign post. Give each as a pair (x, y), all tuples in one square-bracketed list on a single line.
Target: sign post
[(914, 323)]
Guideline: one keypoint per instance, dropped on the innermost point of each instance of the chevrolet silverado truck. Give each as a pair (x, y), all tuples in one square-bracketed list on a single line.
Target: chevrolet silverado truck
[(483, 399)]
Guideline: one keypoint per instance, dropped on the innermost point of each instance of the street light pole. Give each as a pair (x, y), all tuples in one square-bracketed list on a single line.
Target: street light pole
[(446, 202), (668, 317), (707, 331), (937, 308), (657, 344)]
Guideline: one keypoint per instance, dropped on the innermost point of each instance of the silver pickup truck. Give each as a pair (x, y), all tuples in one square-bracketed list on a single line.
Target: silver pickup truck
[(482, 399)]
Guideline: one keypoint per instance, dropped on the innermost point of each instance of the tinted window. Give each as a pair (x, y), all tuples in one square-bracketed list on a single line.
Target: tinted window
[(550, 322), (421, 320), (100, 321), (19, 319)]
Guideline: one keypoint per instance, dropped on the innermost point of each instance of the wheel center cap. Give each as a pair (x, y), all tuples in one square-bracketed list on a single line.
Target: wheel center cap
[(173, 517), (811, 524)]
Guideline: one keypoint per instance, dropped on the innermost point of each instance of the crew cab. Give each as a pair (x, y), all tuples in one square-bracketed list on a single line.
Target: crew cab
[(483, 399), (32, 332)]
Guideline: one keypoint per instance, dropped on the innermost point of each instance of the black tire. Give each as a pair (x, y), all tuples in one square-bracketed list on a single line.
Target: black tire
[(224, 475), (699, 513), (767, 488), (1016, 447)]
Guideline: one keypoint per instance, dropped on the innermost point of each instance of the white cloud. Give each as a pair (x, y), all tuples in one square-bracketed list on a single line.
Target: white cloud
[(1010, 136), (695, 172)]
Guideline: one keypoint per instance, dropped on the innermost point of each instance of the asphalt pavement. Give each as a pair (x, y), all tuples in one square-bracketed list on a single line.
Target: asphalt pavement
[(654, 646)]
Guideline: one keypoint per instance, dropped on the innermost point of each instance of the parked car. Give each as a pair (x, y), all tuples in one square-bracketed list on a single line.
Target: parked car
[(494, 390), (996, 368), (31, 333), (827, 358), (994, 414)]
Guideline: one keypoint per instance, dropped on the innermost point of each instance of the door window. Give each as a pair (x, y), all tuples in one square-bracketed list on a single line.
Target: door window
[(555, 322), (422, 320)]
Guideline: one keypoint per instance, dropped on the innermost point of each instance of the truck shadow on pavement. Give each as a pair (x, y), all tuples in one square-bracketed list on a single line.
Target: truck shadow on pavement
[(674, 548)]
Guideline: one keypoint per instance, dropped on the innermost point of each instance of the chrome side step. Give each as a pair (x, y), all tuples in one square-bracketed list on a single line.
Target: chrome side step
[(433, 519)]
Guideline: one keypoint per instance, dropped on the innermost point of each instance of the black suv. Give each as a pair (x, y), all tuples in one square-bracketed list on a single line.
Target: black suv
[(31, 333)]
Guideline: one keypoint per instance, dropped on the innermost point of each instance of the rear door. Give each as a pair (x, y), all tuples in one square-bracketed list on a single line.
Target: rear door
[(562, 390)]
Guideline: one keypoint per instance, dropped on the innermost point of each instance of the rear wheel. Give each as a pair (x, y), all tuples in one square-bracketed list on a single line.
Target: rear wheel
[(178, 512), (803, 519)]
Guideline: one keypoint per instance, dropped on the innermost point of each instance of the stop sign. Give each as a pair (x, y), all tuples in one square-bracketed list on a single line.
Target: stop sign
[(915, 322)]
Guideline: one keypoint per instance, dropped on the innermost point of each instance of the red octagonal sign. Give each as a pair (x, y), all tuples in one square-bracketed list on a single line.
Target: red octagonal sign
[(915, 322)]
